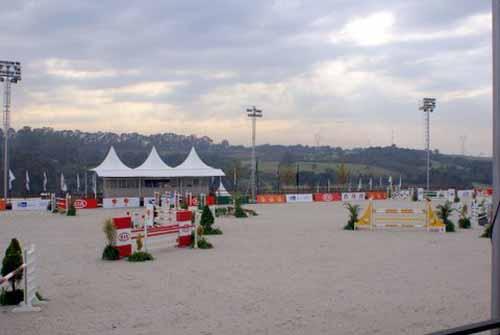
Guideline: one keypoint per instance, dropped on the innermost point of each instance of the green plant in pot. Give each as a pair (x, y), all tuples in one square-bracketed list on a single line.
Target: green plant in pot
[(110, 253), (207, 220), (464, 221), (353, 211), (444, 212), (12, 261), (239, 212)]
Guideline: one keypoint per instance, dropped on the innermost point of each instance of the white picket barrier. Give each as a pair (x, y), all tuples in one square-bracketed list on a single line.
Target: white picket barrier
[(30, 283)]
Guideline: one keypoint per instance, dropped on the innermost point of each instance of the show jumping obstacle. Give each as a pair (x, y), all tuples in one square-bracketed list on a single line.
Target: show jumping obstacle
[(60, 204), (425, 218)]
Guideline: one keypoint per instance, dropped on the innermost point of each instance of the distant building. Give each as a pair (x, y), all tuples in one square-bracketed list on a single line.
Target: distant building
[(154, 175)]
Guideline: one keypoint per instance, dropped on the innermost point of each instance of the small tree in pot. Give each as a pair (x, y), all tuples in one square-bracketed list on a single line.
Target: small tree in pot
[(444, 212), (12, 261), (353, 216)]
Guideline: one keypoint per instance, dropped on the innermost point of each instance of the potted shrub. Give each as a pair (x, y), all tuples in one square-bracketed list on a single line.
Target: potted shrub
[(110, 253), (444, 212), (12, 261), (238, 210), (207, 220), (71, 210), (353, 216), (464, 221), (139, 255)]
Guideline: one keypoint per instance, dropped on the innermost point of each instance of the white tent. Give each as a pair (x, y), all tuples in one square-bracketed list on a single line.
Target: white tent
[(112, 166), (221, 191), (153, 166), (193, 166)]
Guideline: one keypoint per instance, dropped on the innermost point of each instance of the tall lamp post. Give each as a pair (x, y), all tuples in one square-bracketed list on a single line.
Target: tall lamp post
[(10, 73), (495, 250), (253, 113), (428, 105)]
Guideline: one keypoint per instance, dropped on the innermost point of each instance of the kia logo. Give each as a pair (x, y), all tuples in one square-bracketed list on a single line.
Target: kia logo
[(124, 237), (80, 203)]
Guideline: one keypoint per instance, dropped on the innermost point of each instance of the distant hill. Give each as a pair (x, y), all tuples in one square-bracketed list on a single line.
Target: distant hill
[(73, 151)]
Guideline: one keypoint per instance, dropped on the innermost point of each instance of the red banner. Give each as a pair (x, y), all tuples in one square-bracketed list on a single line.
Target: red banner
[(85, 203), (271, 198), (327, 197), (377, 195), (210, 200)]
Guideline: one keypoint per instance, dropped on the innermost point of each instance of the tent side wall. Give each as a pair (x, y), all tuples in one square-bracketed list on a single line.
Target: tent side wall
[(146, 187)]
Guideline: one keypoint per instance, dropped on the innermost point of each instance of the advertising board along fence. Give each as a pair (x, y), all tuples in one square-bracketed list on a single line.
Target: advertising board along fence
[(271, 198), (353, 196), (121, 202), (327, 197), (29, 204), (295, 198), (423, 218)]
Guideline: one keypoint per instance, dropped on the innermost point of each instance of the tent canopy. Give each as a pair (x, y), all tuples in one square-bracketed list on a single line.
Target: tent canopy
[(155, 167), (221, 191)]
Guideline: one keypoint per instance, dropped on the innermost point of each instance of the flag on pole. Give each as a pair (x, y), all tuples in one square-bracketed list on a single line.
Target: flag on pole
[(27, 181), (400, 182), (64, 187), (78, 182), (11, 179), (390, 181), (94, 185), (380, 182), (45, 181), (328, 185), (370, 184), (360, 184)]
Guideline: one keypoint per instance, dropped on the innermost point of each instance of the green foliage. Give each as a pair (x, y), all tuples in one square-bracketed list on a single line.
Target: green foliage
[(204, 244), (353, 216), (184, 205), (213, 231), (109, 231), (110, 253), (414, 196), (207, 218), (464, 221), (456, 199), (487, 231), (444, 212), (71, 210), (12, 261), (11, 298), (221, 211), (238, 210), (140, 256)]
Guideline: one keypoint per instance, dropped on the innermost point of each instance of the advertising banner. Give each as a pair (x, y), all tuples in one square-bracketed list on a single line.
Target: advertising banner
[(327, 197), (85, 203), (32, 204), (291, 198), (377, 195), (353, 196), (465, 194), (120, 202), (271, 199)]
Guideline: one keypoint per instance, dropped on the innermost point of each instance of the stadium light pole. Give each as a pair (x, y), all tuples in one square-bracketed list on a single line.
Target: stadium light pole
[(495, 237), (10, 73), (253, 113), (428, 105)]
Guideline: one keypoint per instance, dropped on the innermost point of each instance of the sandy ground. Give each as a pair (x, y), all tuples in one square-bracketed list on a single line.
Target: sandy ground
[(291, 270)]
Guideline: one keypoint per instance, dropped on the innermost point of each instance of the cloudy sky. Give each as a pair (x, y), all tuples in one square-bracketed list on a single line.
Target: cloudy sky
[(343, 72)]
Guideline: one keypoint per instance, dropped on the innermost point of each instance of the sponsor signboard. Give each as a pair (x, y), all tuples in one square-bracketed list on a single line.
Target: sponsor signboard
[(299, 198), (377, 195), (120, 202), (270, 198), (31, 204), (353, 196), (327, 197), (85, 203), (463, 194)]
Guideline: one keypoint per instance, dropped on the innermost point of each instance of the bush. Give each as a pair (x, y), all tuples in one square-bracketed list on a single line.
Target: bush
[(444, 212), (207, 219), (213, 231), (109, 230), (238, 210), (204, 244), (487, 231), (140, 256), (184, 205), (353, 216), (71, 210), (110, 253), (12, 261), (11, 298), (414, 196), (464, 221)]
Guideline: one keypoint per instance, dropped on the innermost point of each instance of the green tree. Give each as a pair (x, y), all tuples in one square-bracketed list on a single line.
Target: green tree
[(207, 219), (353, 216), (12, 261), (444, 212)]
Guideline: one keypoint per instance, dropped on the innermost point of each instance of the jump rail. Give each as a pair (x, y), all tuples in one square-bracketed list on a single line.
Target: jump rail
[(473, 328)]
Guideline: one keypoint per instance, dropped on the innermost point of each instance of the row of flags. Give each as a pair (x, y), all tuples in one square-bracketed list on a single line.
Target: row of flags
[(62, 182), (370, 183)]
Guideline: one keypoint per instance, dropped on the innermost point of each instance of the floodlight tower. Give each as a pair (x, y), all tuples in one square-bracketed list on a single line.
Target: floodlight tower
[(253, 113), (10, 73), (428, 105)]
